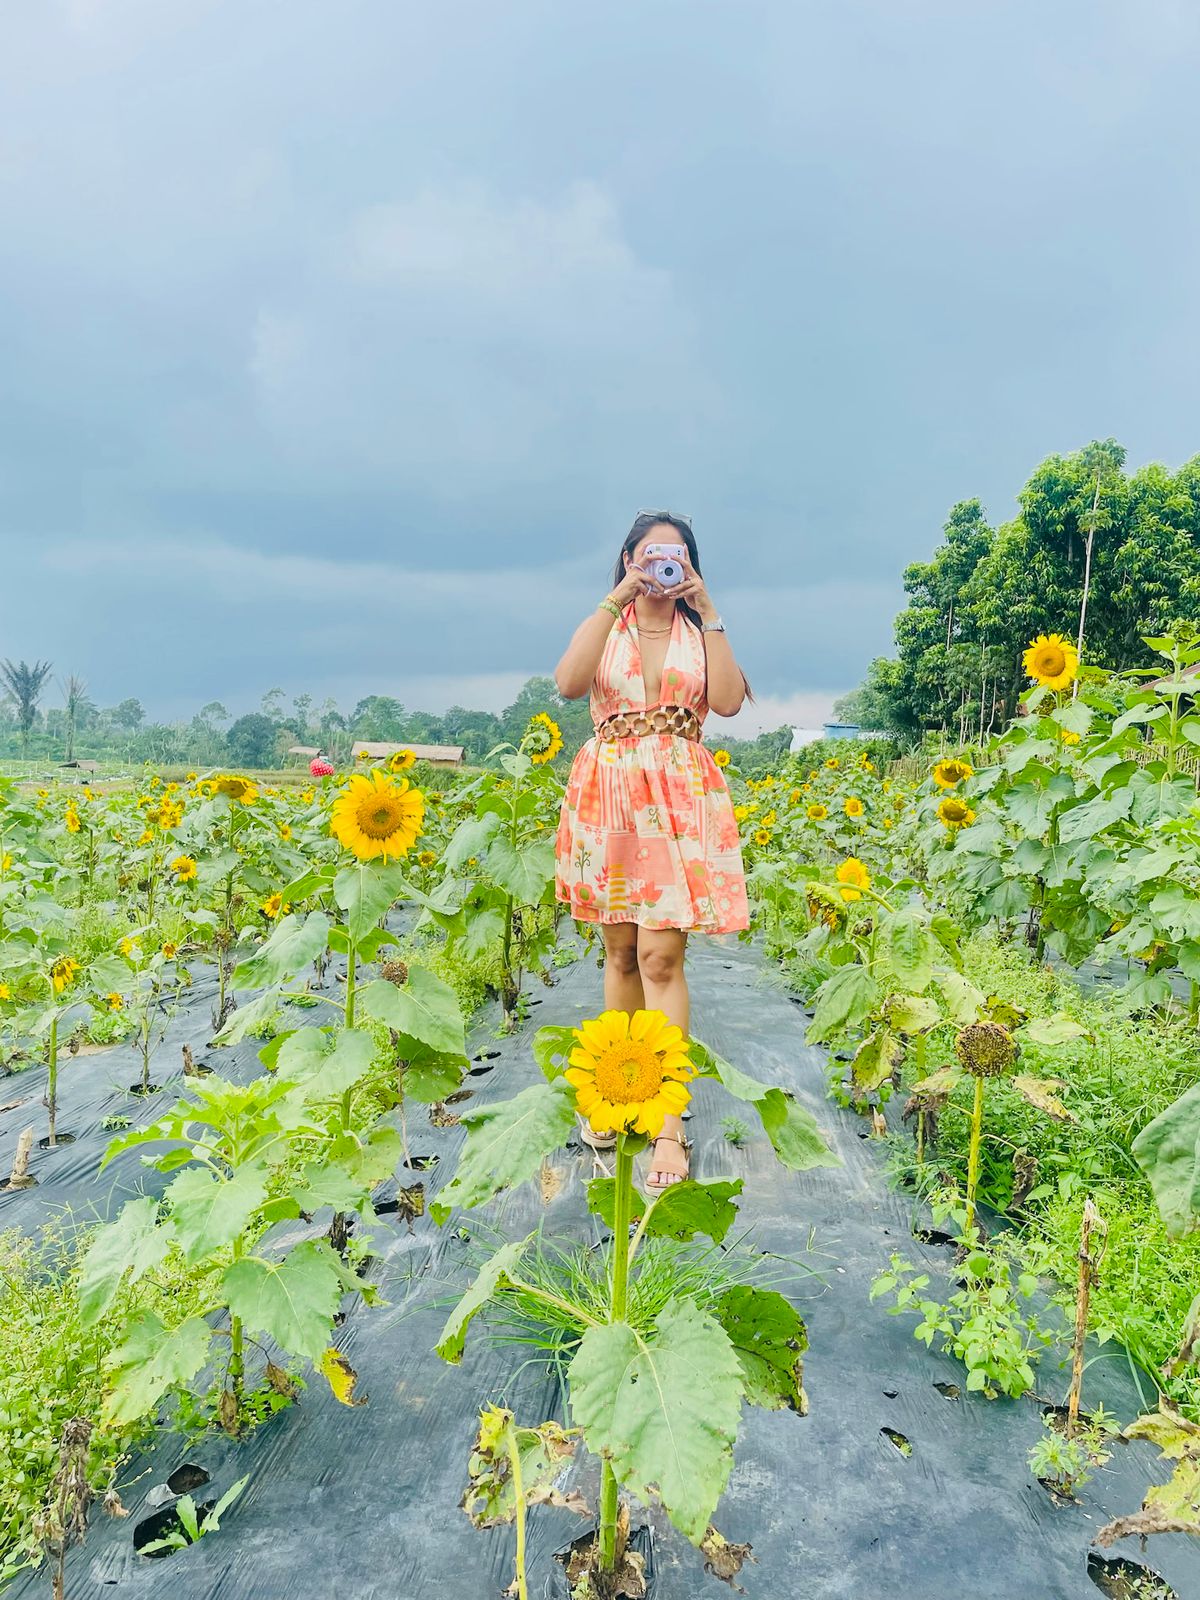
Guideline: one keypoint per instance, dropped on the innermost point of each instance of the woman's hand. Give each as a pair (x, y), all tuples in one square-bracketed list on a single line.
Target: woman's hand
[(692, 590), (635, 582)]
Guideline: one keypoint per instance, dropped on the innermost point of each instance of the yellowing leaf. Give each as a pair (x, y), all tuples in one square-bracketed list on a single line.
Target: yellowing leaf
[(340, 1376)]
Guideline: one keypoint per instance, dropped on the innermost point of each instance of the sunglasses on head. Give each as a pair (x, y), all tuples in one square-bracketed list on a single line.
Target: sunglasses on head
[(666, 516)]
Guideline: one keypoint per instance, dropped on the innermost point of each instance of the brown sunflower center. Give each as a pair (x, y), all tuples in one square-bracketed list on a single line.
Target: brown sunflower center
[(379, 819), (1051, 660), (628, 1073)]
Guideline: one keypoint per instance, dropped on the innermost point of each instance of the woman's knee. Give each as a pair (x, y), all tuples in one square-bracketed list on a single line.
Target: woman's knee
[(660, 961), (621, 948)]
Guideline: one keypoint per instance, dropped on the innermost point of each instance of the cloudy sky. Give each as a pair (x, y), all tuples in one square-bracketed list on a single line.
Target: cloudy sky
[(339, 342)]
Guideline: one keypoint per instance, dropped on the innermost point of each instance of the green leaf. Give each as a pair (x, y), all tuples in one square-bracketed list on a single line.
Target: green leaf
[(325, 1064), (151, 1360), (248, 1017), (910, 948), (843, 1001), (1086, 821), (962, 998), (430, 1076), (291, 1301), (494, 1274), (552, 1046), (876, 1058), (524, 872), (210, 1212), (471, 838), (294, 944), (1168, 1152), (366, 892), (793, 1131), (664, 1408), (911, 1013), (424, 1008), (1052, 1031), (369, 1158), (506, 1143), (134, 1242), (680, 1212), (1039, 1092), (769, 1338)]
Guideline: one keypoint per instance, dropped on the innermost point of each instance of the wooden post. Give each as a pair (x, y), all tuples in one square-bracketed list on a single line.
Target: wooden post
[(20, 1177), (1092, 1222)]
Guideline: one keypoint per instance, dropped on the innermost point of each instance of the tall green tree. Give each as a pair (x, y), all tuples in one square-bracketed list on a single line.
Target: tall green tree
[(76, 707), (25, 683)]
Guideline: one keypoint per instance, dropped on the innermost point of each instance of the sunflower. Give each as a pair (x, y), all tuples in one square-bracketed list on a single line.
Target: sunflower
[(234, 787), (146, 836), (1051, 661), (853, 877), (742, 812), (309, 795), (951, 771), (377, 816), (833, 764), (762, 836), (768, 782), (115, 1002), (401, 761), (853, 806), (955, 813), (986, 1049), (62, 973), (5, 861), (184, 868), (169, 950), (130, 949), (630, 1073), (824, 906), (5, 992), (72, 820), (1068, 737), (364, 755), (817, 812), (426, 858), (793, 796), (867, 764), (191, 777), (272, 906), (543, 739), (721, 757), (285, 830)]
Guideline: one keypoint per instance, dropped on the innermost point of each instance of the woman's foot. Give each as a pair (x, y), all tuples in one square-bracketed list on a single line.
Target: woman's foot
[(594, 1140), (668, 1162)]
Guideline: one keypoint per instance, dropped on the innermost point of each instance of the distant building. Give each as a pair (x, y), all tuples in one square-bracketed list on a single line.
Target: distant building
[(803, 736), (850, 730), (437, 755), (305, 752)]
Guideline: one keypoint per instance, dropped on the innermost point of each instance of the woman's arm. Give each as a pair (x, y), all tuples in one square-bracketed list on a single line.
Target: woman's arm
[(726, 691), (574, 673)]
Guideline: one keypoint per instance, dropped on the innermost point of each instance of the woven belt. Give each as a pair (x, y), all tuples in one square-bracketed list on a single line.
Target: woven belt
[(679, 720)]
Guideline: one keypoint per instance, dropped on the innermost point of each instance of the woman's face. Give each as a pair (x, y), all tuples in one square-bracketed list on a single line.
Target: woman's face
[(660, 533)]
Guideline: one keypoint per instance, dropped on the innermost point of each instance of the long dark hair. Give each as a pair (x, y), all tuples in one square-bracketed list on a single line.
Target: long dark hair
[(642, 523)]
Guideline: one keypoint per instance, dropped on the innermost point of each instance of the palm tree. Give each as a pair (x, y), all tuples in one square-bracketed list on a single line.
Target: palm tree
[(76, 704), (25, 684)]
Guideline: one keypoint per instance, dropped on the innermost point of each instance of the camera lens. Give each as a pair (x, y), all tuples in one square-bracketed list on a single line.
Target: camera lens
[(669, 574)]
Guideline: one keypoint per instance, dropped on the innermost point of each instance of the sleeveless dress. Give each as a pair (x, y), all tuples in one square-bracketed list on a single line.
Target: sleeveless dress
[(647, 832)]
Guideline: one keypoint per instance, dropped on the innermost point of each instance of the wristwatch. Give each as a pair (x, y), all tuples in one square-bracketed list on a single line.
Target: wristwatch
[(712, 627)]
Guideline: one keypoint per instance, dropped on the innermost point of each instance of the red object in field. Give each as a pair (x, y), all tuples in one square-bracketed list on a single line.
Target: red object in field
[(320, 768)]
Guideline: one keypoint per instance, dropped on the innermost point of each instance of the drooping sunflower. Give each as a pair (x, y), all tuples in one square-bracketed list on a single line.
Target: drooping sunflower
[(853, 877), (630, 1073), (234, 787), (951, 771), (377, 816), (721, 757), (824, 906), (184, 868), (853, 806), (955, 813), (62, 973), (543, 739), (1051, 661), (817, 812), (401, 760)]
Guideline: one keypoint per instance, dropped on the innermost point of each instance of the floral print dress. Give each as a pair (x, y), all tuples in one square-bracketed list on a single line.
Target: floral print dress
[(647, 832)]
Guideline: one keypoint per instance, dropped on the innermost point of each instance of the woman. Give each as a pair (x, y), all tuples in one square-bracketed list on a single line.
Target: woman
[(647, 841)]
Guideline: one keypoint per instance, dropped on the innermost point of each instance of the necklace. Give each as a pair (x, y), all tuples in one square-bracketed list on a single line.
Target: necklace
[(652, 633)]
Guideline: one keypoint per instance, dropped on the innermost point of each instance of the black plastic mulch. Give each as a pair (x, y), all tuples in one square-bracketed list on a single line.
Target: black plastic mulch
[(361, 1504)]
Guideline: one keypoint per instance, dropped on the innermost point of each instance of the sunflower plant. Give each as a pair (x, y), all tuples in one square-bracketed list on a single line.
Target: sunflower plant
[(655, 1383)]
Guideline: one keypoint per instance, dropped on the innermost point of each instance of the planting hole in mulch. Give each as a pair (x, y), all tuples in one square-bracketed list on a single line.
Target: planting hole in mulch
[(457, 1098), (1120, 1579), (421, 1163), (160, 1525), (933, 1236), (948, 1391), (486, 1055), (898, 1441), (62, 1138), (144, 1089), (187, 1477)]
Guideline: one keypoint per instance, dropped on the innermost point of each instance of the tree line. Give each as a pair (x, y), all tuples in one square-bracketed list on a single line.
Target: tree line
[(1096, 554)]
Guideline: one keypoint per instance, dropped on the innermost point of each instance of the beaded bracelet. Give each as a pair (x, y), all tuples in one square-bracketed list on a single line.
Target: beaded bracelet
[(610, 605)]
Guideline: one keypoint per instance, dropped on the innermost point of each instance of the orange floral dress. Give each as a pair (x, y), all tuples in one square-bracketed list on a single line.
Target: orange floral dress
[(647, 832)]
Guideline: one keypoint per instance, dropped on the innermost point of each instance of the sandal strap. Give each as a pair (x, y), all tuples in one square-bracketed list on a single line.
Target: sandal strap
[(677, 1138)]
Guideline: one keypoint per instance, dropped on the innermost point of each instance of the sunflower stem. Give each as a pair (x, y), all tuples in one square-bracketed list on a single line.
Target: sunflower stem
[(622, 1205), (514, 1462), (973, 1158)]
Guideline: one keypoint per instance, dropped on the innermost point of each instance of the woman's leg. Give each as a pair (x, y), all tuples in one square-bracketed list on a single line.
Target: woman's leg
[(622, 979), (660, 960)]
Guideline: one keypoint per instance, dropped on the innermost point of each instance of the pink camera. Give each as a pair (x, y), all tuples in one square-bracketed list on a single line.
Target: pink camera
[(664, 563)]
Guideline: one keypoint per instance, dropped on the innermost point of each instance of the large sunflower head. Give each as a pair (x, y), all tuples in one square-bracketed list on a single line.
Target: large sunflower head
[(630, 1073), (853, 877), (543, 739), (721, 757), (234, 787), (377, 816), (817, 812), (955, 813), (184, 868), (853, 806), (401, 760), (1051, 661), (951, 771), (986, 1050)]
